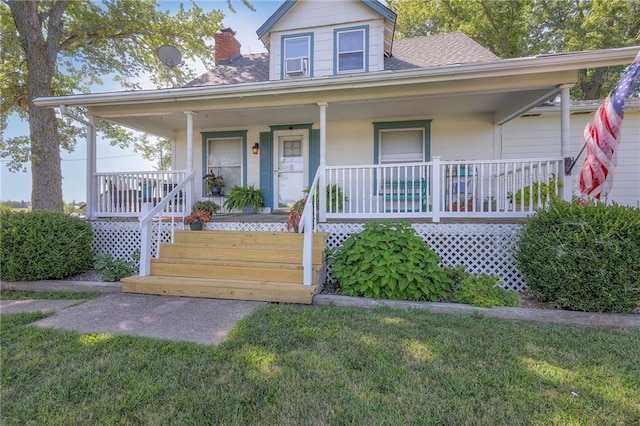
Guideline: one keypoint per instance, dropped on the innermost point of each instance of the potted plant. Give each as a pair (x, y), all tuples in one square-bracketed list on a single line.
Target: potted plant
[(295, 215), (537, 192), (248, 199), (196, 219), (214, 183), (462, 204), (335, 197), (206, 206)]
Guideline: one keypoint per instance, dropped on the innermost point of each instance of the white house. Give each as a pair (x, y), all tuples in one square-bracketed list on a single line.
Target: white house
[(428, 128)]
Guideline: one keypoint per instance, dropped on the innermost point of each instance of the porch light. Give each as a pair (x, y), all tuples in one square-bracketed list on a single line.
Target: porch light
[(256, 148)]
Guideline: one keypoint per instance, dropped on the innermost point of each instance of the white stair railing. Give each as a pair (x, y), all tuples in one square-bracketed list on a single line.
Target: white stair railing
[(307, 225), (146, 221)]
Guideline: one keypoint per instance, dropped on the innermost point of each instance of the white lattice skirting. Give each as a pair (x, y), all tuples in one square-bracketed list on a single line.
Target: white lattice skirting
[(482, 248)]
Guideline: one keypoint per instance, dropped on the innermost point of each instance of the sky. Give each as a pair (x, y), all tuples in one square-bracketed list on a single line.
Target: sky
[(17, 186)]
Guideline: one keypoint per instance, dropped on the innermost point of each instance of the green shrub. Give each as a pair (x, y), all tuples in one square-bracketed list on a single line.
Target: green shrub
[(389, 261), (43, 245), (583, 258), (481, 290), (112, 270)]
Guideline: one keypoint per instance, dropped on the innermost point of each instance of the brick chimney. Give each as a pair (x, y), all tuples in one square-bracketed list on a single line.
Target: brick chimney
[(227, 47)]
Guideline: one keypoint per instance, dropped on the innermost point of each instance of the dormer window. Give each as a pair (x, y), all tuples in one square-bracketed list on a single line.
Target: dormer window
[(351, 46), (297, 55)]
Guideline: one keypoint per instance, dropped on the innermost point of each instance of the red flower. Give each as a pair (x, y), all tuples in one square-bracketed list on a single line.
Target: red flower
[(197, 217)]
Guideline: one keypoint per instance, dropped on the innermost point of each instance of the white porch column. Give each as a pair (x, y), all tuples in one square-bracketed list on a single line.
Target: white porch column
[(92, 184), (565, 141), (189, 188), (322, 179)]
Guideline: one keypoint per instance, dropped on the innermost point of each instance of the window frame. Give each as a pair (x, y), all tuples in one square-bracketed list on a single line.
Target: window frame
[(208, 136), (365, 49), (283, 58), (424, 125)]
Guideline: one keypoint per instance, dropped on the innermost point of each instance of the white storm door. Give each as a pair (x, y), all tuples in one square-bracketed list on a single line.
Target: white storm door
[(290, 166)]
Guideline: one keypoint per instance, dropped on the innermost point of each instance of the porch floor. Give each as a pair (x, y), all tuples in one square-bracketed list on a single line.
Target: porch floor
[(282, 218)]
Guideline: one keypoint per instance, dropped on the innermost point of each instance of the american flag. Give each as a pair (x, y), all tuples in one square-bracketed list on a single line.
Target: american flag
[(602, 136)]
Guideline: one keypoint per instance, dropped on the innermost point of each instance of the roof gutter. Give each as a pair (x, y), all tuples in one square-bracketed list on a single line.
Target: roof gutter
[(499, 68)]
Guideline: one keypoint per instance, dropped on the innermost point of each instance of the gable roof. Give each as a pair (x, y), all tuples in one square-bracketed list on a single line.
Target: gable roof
[(386, 13), (409, 53), (436, 50)]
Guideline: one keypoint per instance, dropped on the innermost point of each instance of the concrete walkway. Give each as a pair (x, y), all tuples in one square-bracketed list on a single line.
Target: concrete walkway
[(209, 321), (206, 321)]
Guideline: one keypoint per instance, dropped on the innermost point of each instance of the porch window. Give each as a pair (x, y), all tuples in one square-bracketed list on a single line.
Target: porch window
[(401, 146), (296, 55), (225, 158)]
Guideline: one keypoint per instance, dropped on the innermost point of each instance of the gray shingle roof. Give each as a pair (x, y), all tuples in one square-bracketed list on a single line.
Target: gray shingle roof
[(416, 52), (436, 50), (245, 69)]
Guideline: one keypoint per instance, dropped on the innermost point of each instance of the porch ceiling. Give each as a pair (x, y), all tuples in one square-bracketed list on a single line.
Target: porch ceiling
[(167, 123)]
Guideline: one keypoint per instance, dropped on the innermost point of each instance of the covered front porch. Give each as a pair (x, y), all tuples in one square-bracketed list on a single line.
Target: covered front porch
[(434, 190)]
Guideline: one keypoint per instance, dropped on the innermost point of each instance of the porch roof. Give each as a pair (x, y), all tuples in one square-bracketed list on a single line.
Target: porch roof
[(503, 88)]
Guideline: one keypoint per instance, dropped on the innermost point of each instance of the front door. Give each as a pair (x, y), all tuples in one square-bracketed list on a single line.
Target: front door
[(291, 172)]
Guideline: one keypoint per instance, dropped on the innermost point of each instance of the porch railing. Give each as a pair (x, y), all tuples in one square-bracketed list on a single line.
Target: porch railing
[(124, 194), (435, 189)]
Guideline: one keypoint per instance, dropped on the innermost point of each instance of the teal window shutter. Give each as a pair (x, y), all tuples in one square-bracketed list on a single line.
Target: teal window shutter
[(266, 168), (314, 154)]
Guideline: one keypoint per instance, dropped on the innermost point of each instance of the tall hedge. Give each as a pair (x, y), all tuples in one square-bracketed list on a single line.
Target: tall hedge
[(583, 258), (43, 245)]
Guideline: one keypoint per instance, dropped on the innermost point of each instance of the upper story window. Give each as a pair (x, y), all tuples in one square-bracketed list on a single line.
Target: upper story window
[(297, 55), (351, 46)]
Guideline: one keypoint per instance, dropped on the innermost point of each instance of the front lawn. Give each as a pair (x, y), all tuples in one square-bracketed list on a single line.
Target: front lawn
[(318, 365)]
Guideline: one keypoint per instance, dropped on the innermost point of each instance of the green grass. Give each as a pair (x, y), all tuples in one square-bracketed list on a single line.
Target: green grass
[(290, 365), (56, 295)]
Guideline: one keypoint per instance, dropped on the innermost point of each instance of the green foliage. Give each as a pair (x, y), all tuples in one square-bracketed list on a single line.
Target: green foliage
[(581, 257), (335, 197), (389, 261), (243, 197), (479, 290), (43, 245), (531, 27), (539, 190), (206, 206), (112, 270)]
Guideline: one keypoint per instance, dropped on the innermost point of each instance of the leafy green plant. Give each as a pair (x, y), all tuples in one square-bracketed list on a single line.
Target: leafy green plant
[(43, 245), (583, 257), (540, 191), (481, 290), (206, 206), (112, 270), (390, 261), (213, 181), (243, 197), (335, 197)]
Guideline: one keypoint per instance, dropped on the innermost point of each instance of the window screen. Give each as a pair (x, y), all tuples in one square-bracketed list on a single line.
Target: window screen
[(225, 158), (401, 146)]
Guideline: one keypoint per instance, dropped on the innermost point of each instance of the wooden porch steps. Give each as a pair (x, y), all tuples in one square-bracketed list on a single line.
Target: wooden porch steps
[(264, 266)]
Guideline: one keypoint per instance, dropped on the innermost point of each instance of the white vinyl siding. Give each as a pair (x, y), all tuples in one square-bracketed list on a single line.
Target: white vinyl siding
[(539, 136), (320, 19)]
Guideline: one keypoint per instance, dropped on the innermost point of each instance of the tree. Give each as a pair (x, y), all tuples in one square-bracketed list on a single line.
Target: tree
[(157, 151), (58, 47), (531, 27)]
